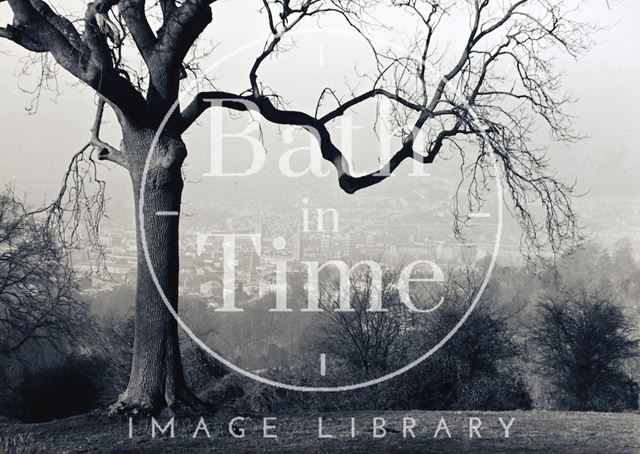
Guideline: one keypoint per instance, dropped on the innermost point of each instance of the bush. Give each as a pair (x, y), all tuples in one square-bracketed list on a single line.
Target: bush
[(584, 339), (71, 387), (477, 369)]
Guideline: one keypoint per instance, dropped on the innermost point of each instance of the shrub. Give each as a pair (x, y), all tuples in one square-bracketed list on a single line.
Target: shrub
[(583, 339), (71, 387)]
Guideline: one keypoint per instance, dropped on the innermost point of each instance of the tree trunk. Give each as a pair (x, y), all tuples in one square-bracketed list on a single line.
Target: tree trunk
[(157, 379)]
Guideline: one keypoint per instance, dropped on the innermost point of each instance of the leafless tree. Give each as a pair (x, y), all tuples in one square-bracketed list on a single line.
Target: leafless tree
[(481, 99), (365, 339), (39, 308), (584, 339), (479, 366)]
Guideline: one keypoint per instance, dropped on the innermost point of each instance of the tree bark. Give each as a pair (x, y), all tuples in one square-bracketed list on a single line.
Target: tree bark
[(157, 379)]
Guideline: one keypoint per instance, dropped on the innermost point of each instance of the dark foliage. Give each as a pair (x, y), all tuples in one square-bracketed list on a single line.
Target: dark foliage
[(478, 368), (71, 387), (583, 339), (40, 311)]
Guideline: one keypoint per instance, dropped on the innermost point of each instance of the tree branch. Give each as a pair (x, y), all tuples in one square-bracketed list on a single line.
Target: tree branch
[(348, 182), (37, 28), (106, 152), (133, 13)]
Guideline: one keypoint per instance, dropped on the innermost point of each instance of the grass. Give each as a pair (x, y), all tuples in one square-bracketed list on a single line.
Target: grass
[(544, 432)]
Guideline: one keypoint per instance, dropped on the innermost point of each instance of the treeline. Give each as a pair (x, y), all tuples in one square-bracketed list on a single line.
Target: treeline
[(562, 336)]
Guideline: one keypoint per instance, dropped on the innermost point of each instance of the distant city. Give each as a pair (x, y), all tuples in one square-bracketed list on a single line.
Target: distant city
[(408, 231)]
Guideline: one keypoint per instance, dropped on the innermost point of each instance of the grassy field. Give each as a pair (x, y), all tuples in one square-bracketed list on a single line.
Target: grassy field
[(545, 432)]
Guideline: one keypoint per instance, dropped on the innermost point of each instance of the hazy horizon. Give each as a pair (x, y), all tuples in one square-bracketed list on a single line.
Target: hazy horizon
[(38, 147)]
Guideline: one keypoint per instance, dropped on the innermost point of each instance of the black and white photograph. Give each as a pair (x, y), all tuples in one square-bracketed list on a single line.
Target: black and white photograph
[(319, 226)]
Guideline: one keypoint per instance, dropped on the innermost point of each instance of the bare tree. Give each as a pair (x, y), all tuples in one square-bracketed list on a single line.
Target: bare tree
[(584, 338), (39, 308), (370, 341), (479, 366), (484, 97)]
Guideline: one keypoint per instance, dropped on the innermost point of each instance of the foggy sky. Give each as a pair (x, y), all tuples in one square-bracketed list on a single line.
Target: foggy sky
[(35, 149)]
